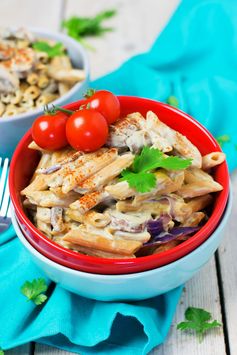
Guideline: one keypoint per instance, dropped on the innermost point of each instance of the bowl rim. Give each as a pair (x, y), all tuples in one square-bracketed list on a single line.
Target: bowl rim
[(70, 43), (108, 277), (103, 261)]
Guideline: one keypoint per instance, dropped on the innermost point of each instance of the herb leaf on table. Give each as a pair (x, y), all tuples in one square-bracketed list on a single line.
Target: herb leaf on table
[(34, 290), (225, 138), (81, 27), (198, 319), (173, 101)]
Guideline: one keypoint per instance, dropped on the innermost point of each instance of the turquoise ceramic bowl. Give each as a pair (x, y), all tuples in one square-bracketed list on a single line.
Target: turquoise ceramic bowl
[(135, 286)]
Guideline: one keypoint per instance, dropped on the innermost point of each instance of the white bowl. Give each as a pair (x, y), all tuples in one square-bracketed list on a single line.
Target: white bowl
[(135, 286), (14, 127)]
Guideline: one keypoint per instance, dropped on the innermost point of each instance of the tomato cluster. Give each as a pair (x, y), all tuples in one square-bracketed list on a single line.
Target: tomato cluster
[(85, 129)]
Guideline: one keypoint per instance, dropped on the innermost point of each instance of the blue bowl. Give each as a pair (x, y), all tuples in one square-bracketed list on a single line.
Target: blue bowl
[(135, 286), (13, 128)]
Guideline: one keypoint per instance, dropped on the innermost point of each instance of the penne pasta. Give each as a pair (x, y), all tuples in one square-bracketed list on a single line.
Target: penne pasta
[(84, 167), (27, 102), (106, 175), (69, 76), (63, 88), (32, 78), (173, 140), (193, 220), (49, 199), (89, 201), (32, 92), (43, 214), (117, 246), (212, 159), (199, 189), (43, 81), (2, 108), (16, 97), (98, 253), (199, 203), (80, 201), (44, 99)]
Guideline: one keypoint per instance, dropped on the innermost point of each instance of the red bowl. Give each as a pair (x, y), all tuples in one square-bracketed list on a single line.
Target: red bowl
[(25, 160)]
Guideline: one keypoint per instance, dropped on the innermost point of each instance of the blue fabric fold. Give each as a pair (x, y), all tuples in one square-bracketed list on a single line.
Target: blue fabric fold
[(195, 60)]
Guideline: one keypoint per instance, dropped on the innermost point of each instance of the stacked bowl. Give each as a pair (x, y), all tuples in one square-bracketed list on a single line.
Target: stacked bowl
[(123, 279), (13, 127)]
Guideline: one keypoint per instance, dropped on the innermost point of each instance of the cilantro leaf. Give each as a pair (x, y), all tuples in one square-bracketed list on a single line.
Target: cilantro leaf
[(199, 320), (140, 175), (147, 160), (34, 290), (80, 27), (173, 101), (152, 158), (197, 315), (141, 182), (174, 163), (52, 50), (40, 299), (225, 138)]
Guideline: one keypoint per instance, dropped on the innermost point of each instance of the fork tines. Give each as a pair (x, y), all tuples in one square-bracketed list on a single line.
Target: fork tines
[(4, 190)]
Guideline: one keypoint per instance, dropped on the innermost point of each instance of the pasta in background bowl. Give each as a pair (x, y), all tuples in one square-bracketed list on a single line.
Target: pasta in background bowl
[(14, 126), (21, 173)]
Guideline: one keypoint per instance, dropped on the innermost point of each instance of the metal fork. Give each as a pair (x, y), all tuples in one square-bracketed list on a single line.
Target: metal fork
[(5, 214)]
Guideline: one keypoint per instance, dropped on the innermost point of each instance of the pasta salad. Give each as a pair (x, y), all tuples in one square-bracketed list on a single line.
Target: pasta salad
[(146, 190), (33, 72)]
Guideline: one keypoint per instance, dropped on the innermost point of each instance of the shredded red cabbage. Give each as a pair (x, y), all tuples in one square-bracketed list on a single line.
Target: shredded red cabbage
[(159, 234)]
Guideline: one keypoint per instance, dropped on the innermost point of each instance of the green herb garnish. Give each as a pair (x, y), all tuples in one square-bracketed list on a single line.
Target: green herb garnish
[(198, 319), (1, 352), (34, 290), (173, 101), (225, 138), (140, 175), (52, 50), (80, 27)]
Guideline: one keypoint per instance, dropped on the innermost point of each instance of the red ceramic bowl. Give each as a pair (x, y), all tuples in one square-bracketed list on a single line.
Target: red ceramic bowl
[(24, 162)]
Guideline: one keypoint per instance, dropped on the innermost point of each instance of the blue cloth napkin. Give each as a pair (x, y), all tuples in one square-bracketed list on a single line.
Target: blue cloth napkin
[(195, 59)]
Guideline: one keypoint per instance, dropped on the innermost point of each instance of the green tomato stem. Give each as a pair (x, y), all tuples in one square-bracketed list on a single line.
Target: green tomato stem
[(57, 108)]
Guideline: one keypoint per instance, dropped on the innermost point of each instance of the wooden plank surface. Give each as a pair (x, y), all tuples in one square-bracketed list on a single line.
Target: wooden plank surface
[(136, 25), (49, 350), (202, 292), (228, 269), (36, 13), (20, 350)]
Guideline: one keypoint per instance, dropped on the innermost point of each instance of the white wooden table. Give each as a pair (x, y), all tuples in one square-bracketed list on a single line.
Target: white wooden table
[(137, 24)]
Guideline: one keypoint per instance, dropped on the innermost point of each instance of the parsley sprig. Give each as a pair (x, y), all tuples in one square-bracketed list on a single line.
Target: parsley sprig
[(141, 176), (81, 27), (225, 138), (34, 290), (173, 101), (52, 50), (198, 320)]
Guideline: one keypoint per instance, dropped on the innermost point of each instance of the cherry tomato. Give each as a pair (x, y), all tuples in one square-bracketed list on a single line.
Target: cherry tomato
[(49, 131), (86, 130), (107, 104)]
